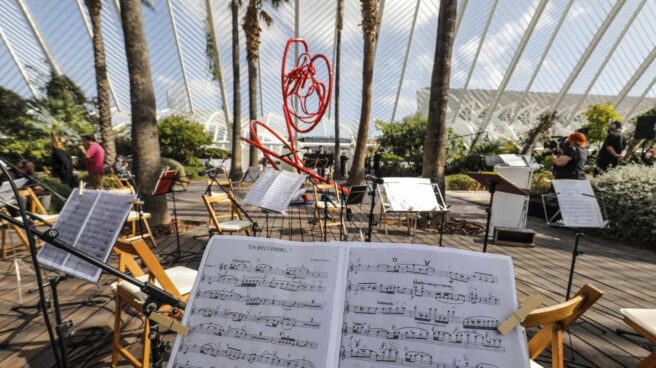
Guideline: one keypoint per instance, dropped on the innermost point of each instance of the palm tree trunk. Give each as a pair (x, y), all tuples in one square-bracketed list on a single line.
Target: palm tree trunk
[(338, 53), (236, 171), (252, 30), (369, 27), (146, 162), (435, 143), (102, 83)]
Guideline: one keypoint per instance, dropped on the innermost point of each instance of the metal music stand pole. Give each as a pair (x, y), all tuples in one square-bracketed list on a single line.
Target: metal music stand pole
[(371, 210), (212, 175), (575, 253), (491, 189), (325, 199)]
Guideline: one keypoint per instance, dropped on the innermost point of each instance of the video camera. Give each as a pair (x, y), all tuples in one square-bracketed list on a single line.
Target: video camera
[(555, 145)]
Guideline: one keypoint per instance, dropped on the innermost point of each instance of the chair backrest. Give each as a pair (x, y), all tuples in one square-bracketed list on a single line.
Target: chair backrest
[(216, 198), (324, 187), (223, 182), (117, 180), (555, 320), (126, 190), (128, 250), (35, 205)]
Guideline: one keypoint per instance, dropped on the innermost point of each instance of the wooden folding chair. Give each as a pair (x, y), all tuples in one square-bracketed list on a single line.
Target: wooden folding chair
[(230, 226), (134, 217), (120, 183), (643, 321), (384, 220), (36, 208), (554, 321), (333, 206), (177, 281)]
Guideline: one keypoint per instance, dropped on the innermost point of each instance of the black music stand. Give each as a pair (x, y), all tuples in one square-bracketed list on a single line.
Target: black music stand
[(494, 181)]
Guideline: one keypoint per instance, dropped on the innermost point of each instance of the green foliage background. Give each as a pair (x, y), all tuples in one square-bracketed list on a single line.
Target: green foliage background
[(180, 138), (599, 117)]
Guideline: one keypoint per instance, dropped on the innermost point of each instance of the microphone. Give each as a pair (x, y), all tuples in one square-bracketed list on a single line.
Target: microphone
[(374, 179), (208, 171)]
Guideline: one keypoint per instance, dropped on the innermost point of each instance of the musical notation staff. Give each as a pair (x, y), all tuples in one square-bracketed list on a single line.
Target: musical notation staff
[(254, 282), (427, 316), (241, 333), (237, 354), (418, 290), (462, 339), (269, 321), (408, 359), (254, 300), (418, 269), (291, 272)]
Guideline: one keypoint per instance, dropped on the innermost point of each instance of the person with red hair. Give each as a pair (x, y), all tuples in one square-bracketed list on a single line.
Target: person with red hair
[(570, 163)]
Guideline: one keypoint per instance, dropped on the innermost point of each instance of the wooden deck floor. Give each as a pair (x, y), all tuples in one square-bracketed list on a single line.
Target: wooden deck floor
[(626, 274)]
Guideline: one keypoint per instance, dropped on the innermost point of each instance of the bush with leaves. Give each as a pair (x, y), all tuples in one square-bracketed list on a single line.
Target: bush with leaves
[(457, 182), (180, 138), (599, 116), (629, 194), (471, 161)]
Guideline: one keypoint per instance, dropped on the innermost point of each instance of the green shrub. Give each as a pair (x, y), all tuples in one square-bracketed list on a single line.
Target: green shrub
[(180, 137), (214, 153), (457, 182), (629, 193), (192, 172), (599, 117), (59, 187)]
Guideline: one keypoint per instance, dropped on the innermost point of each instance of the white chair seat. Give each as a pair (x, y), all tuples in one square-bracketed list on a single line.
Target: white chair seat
[(233, 225), (534, 364), (134, 215), (320, 204), (47, 218), (644, 318), (182, 277)]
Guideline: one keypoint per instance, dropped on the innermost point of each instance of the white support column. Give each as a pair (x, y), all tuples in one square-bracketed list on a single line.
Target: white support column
[(543, 57), (611, 52), (224, 98), (513, 63), (180, 57), (586, 54), (635, 77), (456, 111), (461, 12), (81, 7), (259, 83), (39, 36), (18, 64), (642, 97), (405, 60)]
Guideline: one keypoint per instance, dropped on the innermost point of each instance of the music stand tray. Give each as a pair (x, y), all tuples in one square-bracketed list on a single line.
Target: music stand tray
[(494, 181)]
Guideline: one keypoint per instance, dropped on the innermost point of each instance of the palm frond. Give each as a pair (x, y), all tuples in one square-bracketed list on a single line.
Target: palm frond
[(266, 18), (149, 3)]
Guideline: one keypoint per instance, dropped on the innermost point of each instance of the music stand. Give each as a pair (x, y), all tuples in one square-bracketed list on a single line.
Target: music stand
[(165, 185), (493, 181), (573, 205)]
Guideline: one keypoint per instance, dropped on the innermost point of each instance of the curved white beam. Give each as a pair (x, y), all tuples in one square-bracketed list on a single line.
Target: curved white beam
[(180, 57), (224, 98), (18, 64), (634, 78), (39, 36), (642, 97)]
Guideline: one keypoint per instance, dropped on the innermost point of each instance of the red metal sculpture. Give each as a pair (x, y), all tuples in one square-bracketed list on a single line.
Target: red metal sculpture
[(299, 84)]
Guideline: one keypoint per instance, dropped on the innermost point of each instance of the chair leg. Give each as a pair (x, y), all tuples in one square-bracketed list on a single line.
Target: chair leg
[(146, 344), (557, 349), (117, 331), (152, 238), (650, 361), (4, 243)]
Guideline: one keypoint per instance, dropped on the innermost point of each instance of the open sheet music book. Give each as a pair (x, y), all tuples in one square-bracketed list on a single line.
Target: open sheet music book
[(274, 189), (90, 222), (260, 302)]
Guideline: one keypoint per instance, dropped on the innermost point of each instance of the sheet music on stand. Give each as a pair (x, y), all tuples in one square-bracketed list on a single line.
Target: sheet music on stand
[(274, 190), (90, 222), (578, 204), (6, 193), (411, 194), (165, 182)]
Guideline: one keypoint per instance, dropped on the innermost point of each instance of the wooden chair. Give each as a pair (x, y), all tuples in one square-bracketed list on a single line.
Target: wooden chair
[(333, 207), (36, 208), (134, 217), (120, 183), (554, 321), (230, 226), (384, 220), (47, 171), (178, 281), (643, 321)]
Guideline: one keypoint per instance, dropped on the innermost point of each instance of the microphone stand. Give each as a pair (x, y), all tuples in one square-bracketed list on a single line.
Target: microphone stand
[(375, 181), (325, 199), (212, 175)]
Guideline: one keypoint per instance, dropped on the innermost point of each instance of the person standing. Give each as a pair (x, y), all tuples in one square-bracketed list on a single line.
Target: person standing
[(570, 164), (62, 165), (378, 156), (321, 170), (614, 148), (95, 156)]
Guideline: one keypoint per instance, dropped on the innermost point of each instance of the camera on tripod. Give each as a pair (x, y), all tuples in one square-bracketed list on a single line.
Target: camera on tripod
[(555, 145)]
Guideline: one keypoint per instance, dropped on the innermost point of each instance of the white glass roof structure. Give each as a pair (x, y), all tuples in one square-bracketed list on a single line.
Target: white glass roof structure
[(512, 59)]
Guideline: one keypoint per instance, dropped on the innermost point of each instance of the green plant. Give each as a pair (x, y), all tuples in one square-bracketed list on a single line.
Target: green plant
[(629, 194), (180, 137), (405, 139), (599, 116), (194, 162), (191, 172), (214, 153), (457, 182), (62, 189)]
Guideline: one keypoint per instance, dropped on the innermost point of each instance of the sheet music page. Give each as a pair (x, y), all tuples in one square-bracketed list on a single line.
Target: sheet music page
[(6, 192), (513, 160), (577, 203), (260, 302), (274, 189), (404, 194), (420, 306), (91, 223)]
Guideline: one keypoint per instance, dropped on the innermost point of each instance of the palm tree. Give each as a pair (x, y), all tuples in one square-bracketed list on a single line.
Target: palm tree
[(252, 30), (338, 52), (102, 82), (370, 31), (146, 162), (235, 167), (435, 143)]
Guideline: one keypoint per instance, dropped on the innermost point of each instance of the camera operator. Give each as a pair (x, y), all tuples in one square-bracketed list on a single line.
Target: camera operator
[(614, 148), (570, 163)]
